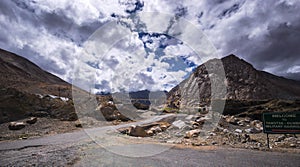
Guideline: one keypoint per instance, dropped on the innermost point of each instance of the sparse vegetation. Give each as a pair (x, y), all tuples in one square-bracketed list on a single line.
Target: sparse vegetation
[(170, 110)]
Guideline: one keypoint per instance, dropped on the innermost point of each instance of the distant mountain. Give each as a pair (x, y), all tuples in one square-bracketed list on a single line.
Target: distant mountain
[(21, 74), (141, 99), (243, 82)]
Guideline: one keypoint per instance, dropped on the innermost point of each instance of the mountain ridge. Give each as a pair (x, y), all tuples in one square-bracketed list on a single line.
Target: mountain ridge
[(242, 81), (27, 90), (19, 73)]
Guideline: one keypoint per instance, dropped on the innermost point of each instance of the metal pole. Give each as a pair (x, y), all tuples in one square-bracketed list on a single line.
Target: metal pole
[(268, 140)]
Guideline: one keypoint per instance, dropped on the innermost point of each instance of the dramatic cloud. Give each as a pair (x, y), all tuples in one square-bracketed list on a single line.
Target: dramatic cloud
[(54, 35)]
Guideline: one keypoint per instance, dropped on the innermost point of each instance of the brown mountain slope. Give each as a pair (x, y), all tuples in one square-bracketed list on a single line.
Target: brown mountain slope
[(27, 90), (243, 83), (24, 90), (23, 75)]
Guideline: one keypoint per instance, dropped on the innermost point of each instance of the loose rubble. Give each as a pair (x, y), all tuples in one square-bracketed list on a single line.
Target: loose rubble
[(148, 129), (241, 132)]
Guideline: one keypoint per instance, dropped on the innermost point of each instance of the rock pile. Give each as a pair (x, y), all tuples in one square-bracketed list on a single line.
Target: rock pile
[(148, 129)]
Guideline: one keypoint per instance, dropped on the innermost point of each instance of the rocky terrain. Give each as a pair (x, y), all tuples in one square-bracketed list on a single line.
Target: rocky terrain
[(27, 90), (245, 86), (200, 130), (36, 103), (249, 94), (42, 127)]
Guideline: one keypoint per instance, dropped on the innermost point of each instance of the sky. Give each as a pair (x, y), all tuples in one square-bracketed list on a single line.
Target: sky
[(80, 42)]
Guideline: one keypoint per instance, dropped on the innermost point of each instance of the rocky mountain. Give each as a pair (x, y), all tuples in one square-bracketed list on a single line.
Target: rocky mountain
[(242, 82), (27, 90), (21, 74)]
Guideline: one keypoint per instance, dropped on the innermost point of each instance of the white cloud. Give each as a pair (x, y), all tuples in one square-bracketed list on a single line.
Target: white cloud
[(81, 11), (249, 29), (294, 69), (45, 46)]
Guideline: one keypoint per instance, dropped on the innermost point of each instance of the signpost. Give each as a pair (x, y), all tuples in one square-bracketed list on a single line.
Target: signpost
[(281, 123)]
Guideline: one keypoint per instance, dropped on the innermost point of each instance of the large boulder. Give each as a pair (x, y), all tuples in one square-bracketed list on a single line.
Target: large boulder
[(16, 125), (111, 113), (178, 124), (192, 133), (138, 131)]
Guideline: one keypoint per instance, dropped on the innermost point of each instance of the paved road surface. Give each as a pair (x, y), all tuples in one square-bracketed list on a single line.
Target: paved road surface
[(79, 149)]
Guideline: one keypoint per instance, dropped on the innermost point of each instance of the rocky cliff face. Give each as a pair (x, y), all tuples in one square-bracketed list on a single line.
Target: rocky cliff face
[(245, 82), (241, 81)]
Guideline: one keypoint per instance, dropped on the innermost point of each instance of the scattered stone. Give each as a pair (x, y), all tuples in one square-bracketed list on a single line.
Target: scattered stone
[(173, 141), (31, 120), (256, 123), (116, 122), (259, 144), (253, 138), (192, 133), (225, 130), (178, 134), (238, 130), (280, 138), (197, 144), (212, 134), (253, 130), (78, 124), (150, 132), (164, 125), (247, 120), (290, 139), (156, 129), (219, 129), (187, 127), (293, 145), (189, 117), (16, 125), (178, 124), (248, 130), (241, 123), (195, 125), (232, 120), (214, 143), (138, 131), (202, 120)]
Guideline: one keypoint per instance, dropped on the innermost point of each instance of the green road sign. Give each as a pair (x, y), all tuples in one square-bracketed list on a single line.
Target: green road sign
[(281, 122)]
